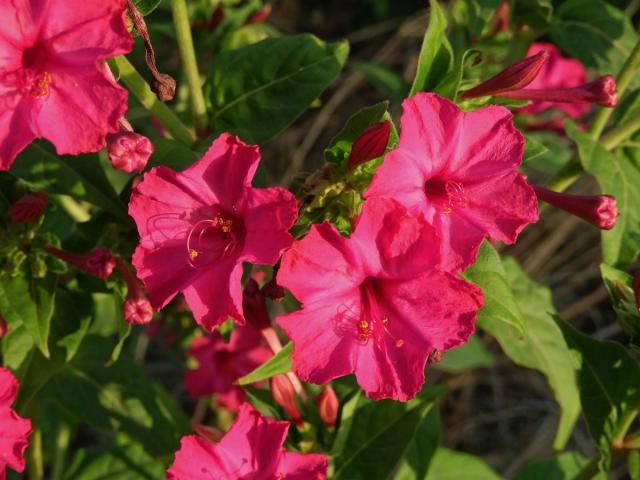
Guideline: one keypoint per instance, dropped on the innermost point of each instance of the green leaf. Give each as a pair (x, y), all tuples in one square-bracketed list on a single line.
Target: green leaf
[(17, 345), (543, 348), (533, 149), (619, 285), (418, 454), (470, 355), (619, 176), (278, 364), (173, 154), (384, 78), (80, 176), (565, 466), (609, 380), (124, 329), (120, 398), (436, 55), (536, 13), (126, 460), (72, 318), (450, 465), (257, 91), (378, 434), (606, 30), (145, 7), (340, 145), (450, 84), (30, 302), (500, 311)]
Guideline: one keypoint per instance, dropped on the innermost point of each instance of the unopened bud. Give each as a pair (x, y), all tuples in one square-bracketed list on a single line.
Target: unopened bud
[(515, 77), (254, 306), (164, 86), (100, 263), (136, 309), (128, 151), (599, 210), (371, 144), (217, 17), (259, 15), (285, 396), (328, 405), (38, 266), (4, 327), (600, 92), (29, 208)]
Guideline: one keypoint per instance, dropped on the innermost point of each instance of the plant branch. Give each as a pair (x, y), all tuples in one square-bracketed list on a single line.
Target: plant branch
[(190, 63), (140, 89), (623, 79)]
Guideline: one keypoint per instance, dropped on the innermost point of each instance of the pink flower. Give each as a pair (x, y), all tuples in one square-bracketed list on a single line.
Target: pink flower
[(14, 430), (252, 448), (53, 79), (29, 208), (198, 226), (374, 304), (128, 151), (221, 364), (460, 169)]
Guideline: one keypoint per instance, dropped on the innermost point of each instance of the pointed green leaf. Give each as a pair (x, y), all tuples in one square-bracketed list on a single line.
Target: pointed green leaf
[(566, 466), (451, 465), (277, 365)]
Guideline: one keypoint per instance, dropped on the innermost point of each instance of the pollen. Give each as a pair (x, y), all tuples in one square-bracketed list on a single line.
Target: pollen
[(41, 86), (193, 253)]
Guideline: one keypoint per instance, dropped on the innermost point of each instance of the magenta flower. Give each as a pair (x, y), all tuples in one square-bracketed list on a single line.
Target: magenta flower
[(252, 448), (198, 226), (460, 169), (54, 82), (221, 364), (374, 304), (14, 430)]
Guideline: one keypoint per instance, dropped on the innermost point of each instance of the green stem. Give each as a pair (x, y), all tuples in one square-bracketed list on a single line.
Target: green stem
[(623, 426), (619, 134), (35, 465), (623, 79), (590, 470), (190, 63), (62, 445), (565, 177), (140, 89)]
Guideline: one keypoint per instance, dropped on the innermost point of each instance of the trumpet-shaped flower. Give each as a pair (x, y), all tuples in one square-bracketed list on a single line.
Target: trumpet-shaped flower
[(14, 430), (459, 169), (374, 304), (54, 81), (252, 448), (198, 226)]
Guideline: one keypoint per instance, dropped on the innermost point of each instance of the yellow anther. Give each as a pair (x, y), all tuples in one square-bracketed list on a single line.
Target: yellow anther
[(363, 325), (399, 343), (193, 253)]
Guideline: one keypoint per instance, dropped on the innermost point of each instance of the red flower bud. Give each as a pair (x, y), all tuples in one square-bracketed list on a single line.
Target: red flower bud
[(328, 405), (4, 327), (128, 151), (255, 306), (516, 76), (98, 262), (285, 396), (210, 434), (636, 289), (601, 92), (371, 144), (217, 17), (599, 210), (29, 208), (259, 15), (136, 309)]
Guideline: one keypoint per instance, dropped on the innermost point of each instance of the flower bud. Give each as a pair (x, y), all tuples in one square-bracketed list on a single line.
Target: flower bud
[(601, 92), (136, 309), (516, 76), (371, 144), (328, 405), (128, 151), (599, 210), (4, 327), (98, 262), (636, 290), (210, 434), (217, 17), (254, 306), (259, 15), (29, 208), (284, 395)]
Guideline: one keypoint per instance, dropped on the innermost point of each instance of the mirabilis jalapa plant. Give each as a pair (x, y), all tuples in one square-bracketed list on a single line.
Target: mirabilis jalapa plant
[(148, 271)]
